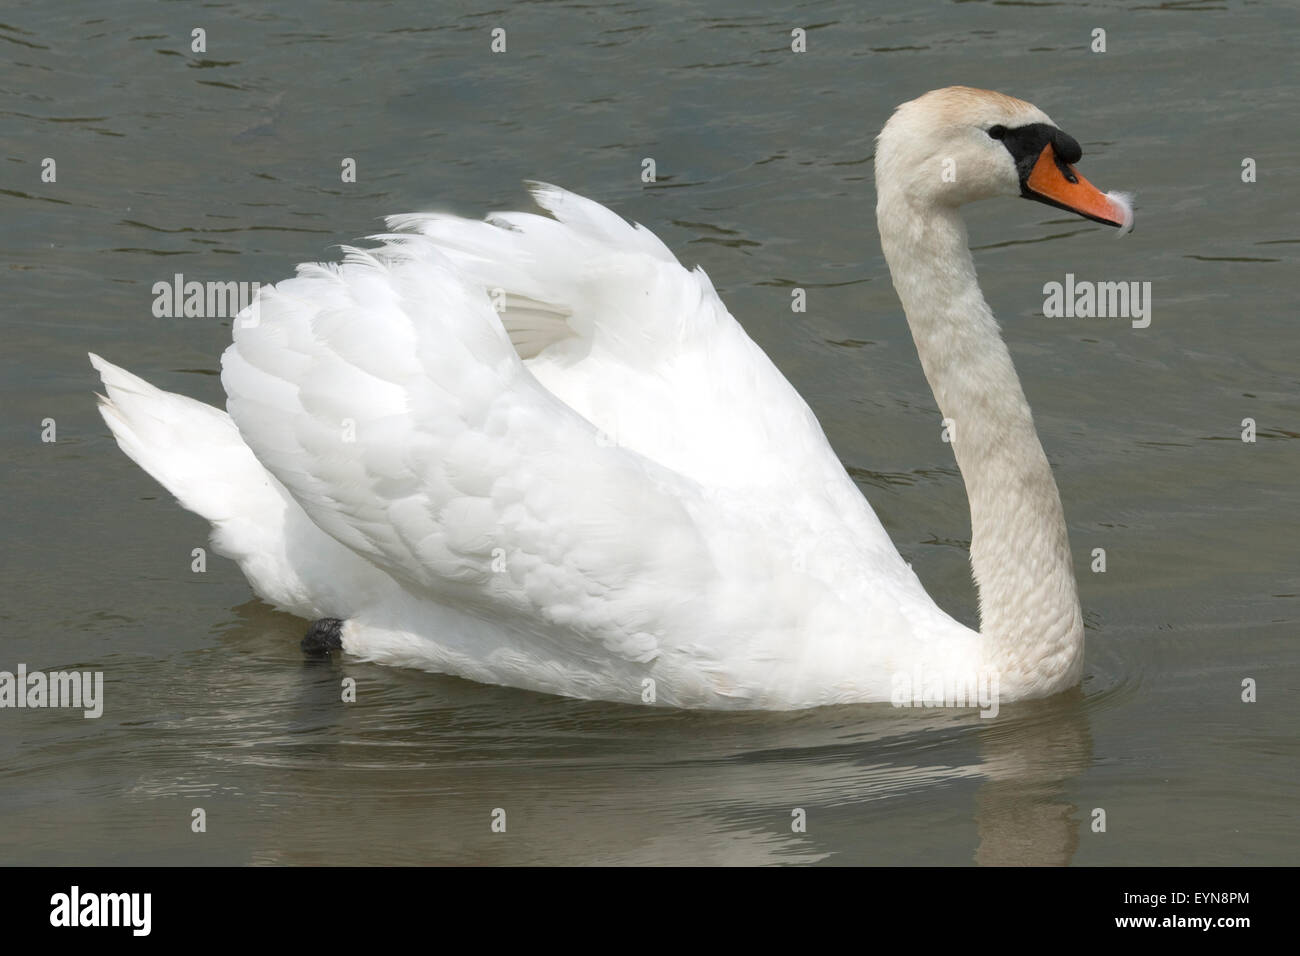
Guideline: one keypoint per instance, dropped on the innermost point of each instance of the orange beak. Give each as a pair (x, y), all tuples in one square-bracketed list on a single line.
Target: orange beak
[(1057, 183)]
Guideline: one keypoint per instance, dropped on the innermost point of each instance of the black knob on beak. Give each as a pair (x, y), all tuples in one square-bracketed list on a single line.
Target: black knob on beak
[(1066, 146)]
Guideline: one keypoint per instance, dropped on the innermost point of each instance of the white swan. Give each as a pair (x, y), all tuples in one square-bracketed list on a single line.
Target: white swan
[(538, 452)]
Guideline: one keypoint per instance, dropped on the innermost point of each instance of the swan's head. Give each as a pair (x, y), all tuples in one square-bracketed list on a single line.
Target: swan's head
[(958, 144)]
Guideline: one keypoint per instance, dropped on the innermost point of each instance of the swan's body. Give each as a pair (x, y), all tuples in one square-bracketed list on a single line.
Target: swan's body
[(607, 490)]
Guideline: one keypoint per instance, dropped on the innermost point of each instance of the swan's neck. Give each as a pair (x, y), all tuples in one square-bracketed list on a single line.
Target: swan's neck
[(1030, 621)]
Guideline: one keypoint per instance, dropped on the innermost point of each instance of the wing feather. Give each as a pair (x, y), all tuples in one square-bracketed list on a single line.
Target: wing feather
[(386, 397)]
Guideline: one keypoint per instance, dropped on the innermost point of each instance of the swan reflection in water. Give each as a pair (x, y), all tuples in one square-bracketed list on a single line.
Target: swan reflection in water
[(412, 770)]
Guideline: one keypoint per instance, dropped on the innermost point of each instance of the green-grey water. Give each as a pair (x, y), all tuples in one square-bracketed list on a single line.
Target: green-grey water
[(225, 165)]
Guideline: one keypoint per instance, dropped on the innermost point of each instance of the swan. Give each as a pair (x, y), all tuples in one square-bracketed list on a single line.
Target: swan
[(536, 451)]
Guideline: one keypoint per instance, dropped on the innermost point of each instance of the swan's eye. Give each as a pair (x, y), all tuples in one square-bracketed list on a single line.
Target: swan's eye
[(997, 132)]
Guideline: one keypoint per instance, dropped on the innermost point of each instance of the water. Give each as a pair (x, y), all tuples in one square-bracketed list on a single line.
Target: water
[(225, 165)]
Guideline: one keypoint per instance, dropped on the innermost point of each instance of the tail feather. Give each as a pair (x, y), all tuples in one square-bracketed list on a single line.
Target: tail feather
[(192, 449), (196, 453)]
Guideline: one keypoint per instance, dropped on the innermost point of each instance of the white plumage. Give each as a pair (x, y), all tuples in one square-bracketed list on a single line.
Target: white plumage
[(539, 452)]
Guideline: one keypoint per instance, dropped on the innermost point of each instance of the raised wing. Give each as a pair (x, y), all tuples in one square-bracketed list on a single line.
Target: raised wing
[(611, 323), (560, 400), (387, 398)]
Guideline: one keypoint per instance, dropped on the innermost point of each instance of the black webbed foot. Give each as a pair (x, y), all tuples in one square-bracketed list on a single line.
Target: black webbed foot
[(324, 636)]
